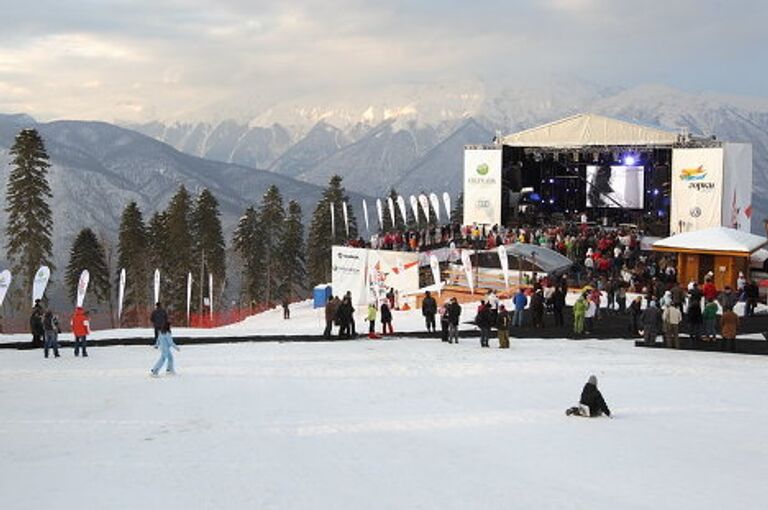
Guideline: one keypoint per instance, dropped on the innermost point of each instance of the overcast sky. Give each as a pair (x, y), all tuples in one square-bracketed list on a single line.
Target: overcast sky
[(144, 59)]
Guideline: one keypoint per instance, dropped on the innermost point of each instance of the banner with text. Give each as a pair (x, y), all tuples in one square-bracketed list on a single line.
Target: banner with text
[(482, 186), (348, 272), (697, 189)]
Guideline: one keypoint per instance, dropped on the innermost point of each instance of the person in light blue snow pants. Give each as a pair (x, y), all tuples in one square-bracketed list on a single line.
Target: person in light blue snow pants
[(165, 343)]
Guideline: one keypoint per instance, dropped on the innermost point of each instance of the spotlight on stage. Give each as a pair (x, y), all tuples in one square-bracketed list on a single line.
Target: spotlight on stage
[(629, 160)]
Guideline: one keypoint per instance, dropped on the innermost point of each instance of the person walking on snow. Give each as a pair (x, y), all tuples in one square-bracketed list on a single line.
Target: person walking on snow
[(165, 343), (591, 404)]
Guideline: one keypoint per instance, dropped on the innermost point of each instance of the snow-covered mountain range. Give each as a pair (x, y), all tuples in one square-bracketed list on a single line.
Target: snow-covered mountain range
[(411, 137)]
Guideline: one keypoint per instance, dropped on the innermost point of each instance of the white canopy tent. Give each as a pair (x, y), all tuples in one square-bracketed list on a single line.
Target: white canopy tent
[(588, 129), (716, 239)]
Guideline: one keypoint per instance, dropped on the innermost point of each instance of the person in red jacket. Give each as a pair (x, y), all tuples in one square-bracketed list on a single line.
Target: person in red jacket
[(709, 290), (80, 328)]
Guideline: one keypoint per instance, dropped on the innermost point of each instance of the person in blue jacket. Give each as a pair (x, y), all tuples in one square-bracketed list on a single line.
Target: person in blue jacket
[(165, 343)]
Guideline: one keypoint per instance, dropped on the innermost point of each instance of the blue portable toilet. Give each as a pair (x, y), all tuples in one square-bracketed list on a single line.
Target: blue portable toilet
[(320, 295)]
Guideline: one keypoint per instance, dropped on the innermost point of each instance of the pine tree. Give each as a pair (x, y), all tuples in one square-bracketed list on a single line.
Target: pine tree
[(320, 239), (30, 223), (292, 266), (209, 248), (246, 243), (157, 238), (133, 256), (179, 256), (457, 214), (271, 218), (88, 253)]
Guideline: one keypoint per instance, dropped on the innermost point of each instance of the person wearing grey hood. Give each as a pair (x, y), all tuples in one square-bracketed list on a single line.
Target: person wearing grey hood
[(591, 404)]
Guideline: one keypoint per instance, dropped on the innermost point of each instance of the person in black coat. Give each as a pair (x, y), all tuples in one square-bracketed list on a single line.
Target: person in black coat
[(159, 318), (484, 321), (558, 305), (344, 317), (36, 325), (386, 318), (428, 310), (591, 401)]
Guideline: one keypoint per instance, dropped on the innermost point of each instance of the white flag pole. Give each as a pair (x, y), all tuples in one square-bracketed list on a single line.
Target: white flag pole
[(210, 293), (189, 297), (365, 214), (157, 286), (120, 295)]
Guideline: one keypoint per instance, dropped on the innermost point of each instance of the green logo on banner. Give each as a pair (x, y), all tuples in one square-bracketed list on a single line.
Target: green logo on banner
[(482, 168)]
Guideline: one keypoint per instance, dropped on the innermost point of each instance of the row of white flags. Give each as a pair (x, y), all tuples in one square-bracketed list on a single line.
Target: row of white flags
[(424, 201), (40, 283)]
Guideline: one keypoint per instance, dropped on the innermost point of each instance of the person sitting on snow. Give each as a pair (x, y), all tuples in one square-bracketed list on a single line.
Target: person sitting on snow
[(591, 404)]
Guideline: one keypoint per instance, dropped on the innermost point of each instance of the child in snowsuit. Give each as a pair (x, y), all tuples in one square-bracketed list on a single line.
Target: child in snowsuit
[(165, 343), (591, 403)]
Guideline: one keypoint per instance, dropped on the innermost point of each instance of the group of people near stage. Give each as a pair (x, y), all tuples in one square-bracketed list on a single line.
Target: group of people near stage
[(45, 327)]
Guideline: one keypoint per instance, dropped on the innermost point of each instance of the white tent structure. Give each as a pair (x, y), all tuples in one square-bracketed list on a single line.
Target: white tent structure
[(716, 239), (588, 129)]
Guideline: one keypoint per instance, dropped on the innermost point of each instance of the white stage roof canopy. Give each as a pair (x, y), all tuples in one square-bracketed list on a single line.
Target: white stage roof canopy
[(713, 239), (588, 129)]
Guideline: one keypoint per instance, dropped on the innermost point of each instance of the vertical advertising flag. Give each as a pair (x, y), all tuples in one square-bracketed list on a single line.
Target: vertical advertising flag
[(157, 285), (434, 264), (401, 206), (391, 205), (5, 283), (40, 283), (210, 292), (447, 204), (466, 261), (424, 201), (415, 208), (82, 287), (346, 217), (365, 215), (120, 294), (435, 205), (189, 295), (333, 222), (504, 263), (380, 213)]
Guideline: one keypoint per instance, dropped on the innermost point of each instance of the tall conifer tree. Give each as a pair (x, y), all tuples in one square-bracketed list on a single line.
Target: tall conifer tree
[(209, 248), (320, 239), (292, 266), (247, 245), (159, 247), (179, 255), (88, 253), (271, 218), (30, 223), (133, 256)]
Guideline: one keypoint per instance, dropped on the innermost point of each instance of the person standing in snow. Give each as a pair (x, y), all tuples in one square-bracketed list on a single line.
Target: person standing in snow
[(558, 305), (635, 311), (81, 329), (672, 317), (444, 327), (651, 320), (502, 325), (454, 314), (519, 301), (286, 309), (579, 311), (483, 321), (158, 318), (165, 343), (344, 317), (331, 307), (386, 318), (372, 320), (710, 320), (589, 316), (52, 330), (36, 324), (729, 324), (428, 310), (591, 404)]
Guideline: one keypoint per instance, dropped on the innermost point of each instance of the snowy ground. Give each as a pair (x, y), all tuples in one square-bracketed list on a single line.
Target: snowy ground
[(383, 424)]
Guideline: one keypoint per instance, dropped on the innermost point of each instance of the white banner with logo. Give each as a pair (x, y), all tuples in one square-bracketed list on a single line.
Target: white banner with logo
[(5, 283), (435, 205), (380, 213), (365, 215), (82, 287), (40, 283), (157, 285), (466, 262), (401, 206), (502, 250), (414, 208), (697, 189), (395, 270), (424, 201), (737, 186), (434, 265), (391, 205), (482, 186), (348, 272), (447, 203), (120, 294), (189, 295)]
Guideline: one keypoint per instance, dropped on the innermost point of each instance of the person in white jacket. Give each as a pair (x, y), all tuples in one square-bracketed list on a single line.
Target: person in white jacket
[(672, 317), (165, 343)]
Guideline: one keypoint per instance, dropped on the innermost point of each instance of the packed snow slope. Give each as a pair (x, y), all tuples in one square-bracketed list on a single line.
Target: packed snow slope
[(383, 424)]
